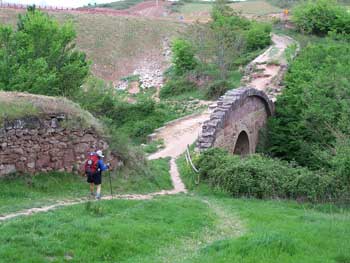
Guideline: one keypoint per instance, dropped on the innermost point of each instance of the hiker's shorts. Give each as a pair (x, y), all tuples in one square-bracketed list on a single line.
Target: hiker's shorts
[(95, 178)]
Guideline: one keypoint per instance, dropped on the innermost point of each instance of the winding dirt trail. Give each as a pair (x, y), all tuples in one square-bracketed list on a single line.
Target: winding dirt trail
[(176, 135)]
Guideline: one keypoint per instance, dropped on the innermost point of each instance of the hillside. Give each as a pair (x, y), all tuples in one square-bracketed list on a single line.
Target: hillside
[(116, 45)]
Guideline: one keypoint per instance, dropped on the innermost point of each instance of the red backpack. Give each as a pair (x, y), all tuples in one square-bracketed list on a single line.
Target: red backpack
[(91, 163)]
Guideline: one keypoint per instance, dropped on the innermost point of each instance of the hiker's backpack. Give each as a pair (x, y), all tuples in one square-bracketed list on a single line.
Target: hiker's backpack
[(91, 163)]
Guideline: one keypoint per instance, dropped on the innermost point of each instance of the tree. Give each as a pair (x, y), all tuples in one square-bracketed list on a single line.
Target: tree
[(40, 57), (322, 16), (314, 104), (183, 58)]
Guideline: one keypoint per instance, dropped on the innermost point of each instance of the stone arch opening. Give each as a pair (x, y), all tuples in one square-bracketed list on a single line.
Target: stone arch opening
[(242, 146)]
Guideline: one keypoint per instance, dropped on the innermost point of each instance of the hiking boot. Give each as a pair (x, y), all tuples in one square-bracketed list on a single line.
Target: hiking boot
[(92, 194), (98, 197)]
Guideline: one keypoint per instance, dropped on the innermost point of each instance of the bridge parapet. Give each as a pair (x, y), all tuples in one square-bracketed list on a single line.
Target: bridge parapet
[(236, 121)]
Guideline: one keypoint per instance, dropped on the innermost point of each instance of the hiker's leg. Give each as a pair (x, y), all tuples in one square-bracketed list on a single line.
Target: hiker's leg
[(92, 188), (98, 191)]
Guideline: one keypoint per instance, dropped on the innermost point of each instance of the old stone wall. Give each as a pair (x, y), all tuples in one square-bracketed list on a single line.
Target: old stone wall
[(34, 144), (235, 123)]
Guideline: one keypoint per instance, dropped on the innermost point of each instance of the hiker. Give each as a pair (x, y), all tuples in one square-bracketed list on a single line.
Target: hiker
[(94, 167)]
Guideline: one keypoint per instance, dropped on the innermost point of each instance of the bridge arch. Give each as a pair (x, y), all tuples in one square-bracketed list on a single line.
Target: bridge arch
[(235, 123), (242, 145)]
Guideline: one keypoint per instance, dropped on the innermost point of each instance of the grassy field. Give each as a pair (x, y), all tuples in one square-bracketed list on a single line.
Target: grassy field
[(119, 5), (204, 226), (195, 228), (253, 7), (123, 43), (258, 7), (195, 7), (20, 192), (116, 231)]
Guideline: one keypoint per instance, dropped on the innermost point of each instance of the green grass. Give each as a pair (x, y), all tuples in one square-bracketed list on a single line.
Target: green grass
[(120, 5), (278, 231), (282, 231), (107, 231), (153, 146), (23, 191), (201, 227), (195, 228)]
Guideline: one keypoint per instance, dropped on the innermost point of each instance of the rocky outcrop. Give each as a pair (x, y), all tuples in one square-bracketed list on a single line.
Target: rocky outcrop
[(46, 143)]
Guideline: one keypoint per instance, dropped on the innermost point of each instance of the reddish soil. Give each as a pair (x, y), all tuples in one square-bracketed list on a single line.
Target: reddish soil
[(144, 9)]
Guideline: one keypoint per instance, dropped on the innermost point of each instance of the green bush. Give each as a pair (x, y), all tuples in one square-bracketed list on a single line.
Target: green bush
[(40, 57), (176, 86), (258, 36), (217, 89), (183, 56), (96, 97), (321, 16), (313, 107), (262, 177)]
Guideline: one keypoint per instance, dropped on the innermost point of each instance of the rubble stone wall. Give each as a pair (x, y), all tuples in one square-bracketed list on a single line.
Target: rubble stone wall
[(42, 144)]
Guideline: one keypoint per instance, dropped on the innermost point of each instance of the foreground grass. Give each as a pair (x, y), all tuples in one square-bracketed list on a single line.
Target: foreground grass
[(107, 231), (277, 231), (20, 192)]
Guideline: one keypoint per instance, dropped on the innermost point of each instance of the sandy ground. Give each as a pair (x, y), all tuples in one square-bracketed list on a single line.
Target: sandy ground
[(178, 134)]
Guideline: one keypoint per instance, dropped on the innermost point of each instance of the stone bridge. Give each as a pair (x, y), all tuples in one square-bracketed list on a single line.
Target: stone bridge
[(235, 123)]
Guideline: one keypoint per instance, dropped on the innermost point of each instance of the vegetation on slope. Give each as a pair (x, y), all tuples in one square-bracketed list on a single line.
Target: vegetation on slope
[(321, 17), (312, 113), (122, 44), (262, 177), (209, 56)]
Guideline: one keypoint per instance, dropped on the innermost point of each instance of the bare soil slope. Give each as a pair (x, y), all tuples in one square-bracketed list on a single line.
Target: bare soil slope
[(116, 45)]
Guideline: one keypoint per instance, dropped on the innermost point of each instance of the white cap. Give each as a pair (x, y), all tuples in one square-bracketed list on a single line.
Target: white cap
[(99, 153)]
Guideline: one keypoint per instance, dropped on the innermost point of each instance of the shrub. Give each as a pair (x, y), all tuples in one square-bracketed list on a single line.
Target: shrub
[(176, 86), (303, 129), (262, 177), (217, 89), (183, 56), (321, 16), (96, 97), (40, 57), (258, 36)]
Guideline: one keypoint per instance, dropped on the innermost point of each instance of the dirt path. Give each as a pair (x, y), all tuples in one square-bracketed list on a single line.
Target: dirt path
[(176, 135), (266, 71)]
